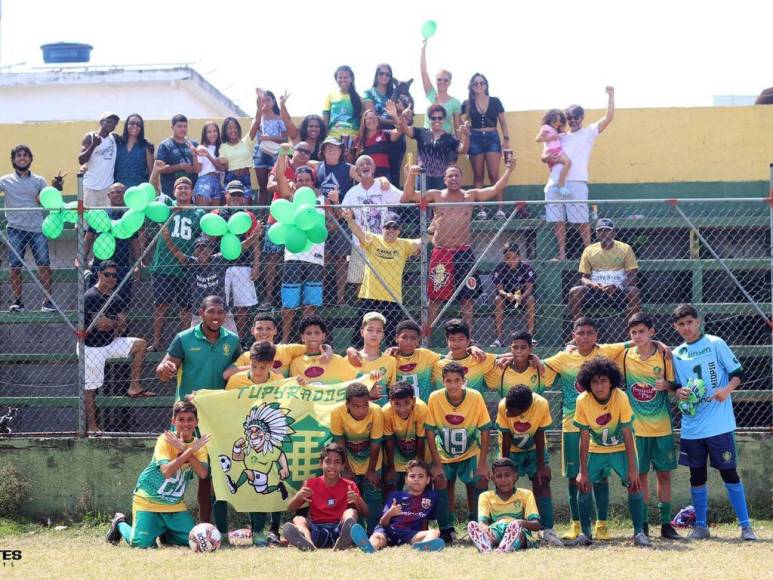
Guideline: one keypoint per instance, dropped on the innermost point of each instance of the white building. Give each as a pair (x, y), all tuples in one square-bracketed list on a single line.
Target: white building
[(81, 92)]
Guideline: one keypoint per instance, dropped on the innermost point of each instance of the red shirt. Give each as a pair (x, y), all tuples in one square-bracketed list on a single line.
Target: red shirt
[(328, 504)]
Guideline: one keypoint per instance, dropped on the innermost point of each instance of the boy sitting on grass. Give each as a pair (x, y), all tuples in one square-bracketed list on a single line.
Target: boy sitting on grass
[(158, 506), (603, 415), (507, 515), (334, 504), (404, 434), (358, 425), (405, 515)]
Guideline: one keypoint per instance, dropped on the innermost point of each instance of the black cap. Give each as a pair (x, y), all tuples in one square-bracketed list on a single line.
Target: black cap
[(605, 224)]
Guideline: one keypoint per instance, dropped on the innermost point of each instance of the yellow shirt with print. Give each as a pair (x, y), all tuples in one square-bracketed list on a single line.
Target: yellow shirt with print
[(519, 506), (651, 408), (417, 370), (405, 432), (504, 380), (285, 353), (605, 422), (388, 258), (338, 370), (358, 435), (244, 379), (457, 428), (475, 374), (618, 258), (388, 367), (523, 427)]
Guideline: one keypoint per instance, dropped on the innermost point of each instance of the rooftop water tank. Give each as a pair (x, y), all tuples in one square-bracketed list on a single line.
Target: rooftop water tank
[(58, 52)]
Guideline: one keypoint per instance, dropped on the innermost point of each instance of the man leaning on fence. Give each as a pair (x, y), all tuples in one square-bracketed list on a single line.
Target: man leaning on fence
[(22, 190), (105, 339)]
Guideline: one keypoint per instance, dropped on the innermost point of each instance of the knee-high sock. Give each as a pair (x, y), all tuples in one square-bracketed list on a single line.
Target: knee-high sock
[(545, 507), (573, 507), (737, 497), (257, 522), (126, 532), (636, 507), (585, 504), (601, 494), (445, 519), (220, 515), (700, 501)]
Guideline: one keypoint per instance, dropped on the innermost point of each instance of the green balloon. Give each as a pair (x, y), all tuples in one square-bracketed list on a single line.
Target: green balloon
[(135, 198), (305, 217), (213, 225), (277, 233), (133, 220), (53, 225), (120, 231), (317, 234), (157, 211), (282, 211), (71, 212), (98, 220), (104, 246), (295, 239), (51, 198), (320, 219), (230, 246), (428, 29), (304, 196), (239, 223), (149, 190)]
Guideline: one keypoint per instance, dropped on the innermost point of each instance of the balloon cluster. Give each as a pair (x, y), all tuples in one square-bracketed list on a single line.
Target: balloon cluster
[(299, 224), (228, 231)]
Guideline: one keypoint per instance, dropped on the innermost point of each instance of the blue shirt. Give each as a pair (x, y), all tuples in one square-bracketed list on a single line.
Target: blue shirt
[(708, 358), (131, 167), (417, 509)]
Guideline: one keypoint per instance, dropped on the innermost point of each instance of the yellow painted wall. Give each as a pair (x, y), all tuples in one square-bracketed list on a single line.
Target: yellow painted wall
[(726, 144)]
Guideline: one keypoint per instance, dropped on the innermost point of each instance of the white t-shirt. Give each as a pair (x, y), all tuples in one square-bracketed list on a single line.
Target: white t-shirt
[(101, 165), (578, 147), (207, 166), (371, 220), (316, 254)]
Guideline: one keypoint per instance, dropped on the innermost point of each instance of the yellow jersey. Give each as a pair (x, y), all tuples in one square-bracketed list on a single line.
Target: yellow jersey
[(608, 266), (523, 427), (244, 379), (651, 410), (387, 366), (417, 370), (457, 428), (506, 379), (405, 432), (605, 422), (338, 370), (285, 353), (519, 506), (388, 259), (474, 374), (358, 435)]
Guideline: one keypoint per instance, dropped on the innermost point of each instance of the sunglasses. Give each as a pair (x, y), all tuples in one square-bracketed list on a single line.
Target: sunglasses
[(110, 274), (134, 124), (384, 73), (437, 118), (303, 151), (479, 84)]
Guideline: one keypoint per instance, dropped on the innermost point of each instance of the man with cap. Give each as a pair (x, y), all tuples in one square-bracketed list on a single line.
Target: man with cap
[(98, 150), (386, 253), (514, 280), (577, 145), (607, 272)]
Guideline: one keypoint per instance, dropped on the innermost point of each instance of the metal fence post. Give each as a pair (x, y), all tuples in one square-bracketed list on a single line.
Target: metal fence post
[(80, 332), (423, 225)]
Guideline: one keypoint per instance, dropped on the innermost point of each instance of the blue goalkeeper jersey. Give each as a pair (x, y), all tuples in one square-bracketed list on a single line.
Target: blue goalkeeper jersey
[(708, 358)]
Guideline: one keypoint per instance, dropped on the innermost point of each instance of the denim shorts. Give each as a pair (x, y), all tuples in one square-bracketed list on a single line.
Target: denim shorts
[(262, 159), (301, 284), (20, 239), (484, 142), (208, 186)]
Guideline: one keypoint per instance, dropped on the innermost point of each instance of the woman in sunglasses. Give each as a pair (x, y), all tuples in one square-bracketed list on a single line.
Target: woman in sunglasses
[(484, 114), (375, 99), (134, 155), (440, 96)]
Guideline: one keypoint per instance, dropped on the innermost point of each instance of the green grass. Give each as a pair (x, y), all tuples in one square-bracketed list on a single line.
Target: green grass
[(80, 552)]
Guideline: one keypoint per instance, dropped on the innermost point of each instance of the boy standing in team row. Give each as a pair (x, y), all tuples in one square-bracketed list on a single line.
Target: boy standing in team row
[(372, 359), (404, 433), (521, 370), (709, 432)]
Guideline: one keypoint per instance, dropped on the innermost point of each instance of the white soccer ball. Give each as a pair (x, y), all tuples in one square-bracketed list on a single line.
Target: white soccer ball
[(204, 538), (225, 463)]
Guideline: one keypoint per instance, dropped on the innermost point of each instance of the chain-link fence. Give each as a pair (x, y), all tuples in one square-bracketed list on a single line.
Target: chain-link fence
[(715, 254)]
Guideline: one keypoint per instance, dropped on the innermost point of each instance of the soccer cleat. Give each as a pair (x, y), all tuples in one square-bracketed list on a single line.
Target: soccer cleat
[(642, 540), (231, 485), (512, 531), (434, 545), (550, 537), (360, 539), (573, 531), (668, 532), (601, 532), (295, 538), (448, 536), (500, 215), (480, 538), (699, 533), (496, 344), (581, 540), (482, 215), (747, 533), (645, 527), (259, 541), (47, 306), (113, 535), (345, 538), (273, 538), (17, 306)]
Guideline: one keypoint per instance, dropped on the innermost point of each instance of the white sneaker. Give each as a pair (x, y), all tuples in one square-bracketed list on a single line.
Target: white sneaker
[(500, 215), (641, 539), (512, 531), (550, 537), (479, 537), (482, 215)]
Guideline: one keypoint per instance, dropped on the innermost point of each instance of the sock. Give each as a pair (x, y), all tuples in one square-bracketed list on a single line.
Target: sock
[(636, 507), (220, 515), (601, 493), (126, 532), (545, 507), (665, 512), (646, 512), (737, 497), (257, 522), (276, 519), (585, 505), (445, 520), (241, 480), (700, 501), (573, 507)]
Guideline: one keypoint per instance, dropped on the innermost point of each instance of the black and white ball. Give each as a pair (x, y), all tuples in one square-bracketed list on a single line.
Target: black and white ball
[(225, 463)]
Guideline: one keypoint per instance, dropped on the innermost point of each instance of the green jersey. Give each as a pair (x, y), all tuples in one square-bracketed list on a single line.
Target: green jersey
[(183, 229)]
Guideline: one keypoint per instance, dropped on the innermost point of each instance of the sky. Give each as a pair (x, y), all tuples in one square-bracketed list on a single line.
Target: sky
[(536, 55)]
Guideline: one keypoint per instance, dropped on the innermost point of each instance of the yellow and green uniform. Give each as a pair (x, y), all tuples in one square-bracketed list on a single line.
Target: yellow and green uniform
[(285, 353), (416, 369), (607, 266), (522, 429), (506, 379), (474, 373), (244, 379), (203, 362), (158, 506), (497, 513), (338, 370), (358, 434), (651, 412), (388, 368), (405, 432), (265, 463)]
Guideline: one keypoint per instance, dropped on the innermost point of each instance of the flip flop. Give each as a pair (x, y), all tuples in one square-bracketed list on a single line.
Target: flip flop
[(141, 394), (360, 538), (434, 545)]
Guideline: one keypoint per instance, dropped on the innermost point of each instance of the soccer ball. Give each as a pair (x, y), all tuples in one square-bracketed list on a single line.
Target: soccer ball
[(204, 538), (225, 463)]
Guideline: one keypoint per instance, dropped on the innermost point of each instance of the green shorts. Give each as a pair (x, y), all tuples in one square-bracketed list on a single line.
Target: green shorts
[(659, 452), (462, 470), (600, 464), (570, 454), (147, 526), (526, 462), (498, 530)]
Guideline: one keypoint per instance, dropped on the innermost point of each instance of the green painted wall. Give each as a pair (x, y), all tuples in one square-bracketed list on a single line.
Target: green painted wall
[(71, 477)]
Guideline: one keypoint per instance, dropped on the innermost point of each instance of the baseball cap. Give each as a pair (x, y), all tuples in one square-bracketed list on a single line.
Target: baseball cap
[(202, 241), (108, 114), (235, 187), (332, 141), (392, 219), (511, 248), (605, 224)]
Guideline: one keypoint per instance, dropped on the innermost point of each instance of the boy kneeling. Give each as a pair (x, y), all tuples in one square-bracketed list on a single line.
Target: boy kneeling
[(334, 504)]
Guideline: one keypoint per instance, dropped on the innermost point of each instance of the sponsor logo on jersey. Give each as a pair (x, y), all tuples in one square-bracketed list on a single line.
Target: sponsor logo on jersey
[(643, 392), (314, 372), (277, 364), (522, 427), (471, 283), (359, 448), (604, 419), (454, 419), (426, 503), (407, 368)]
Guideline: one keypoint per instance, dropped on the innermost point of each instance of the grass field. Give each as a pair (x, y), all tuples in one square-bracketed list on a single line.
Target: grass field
[(81, 552)]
